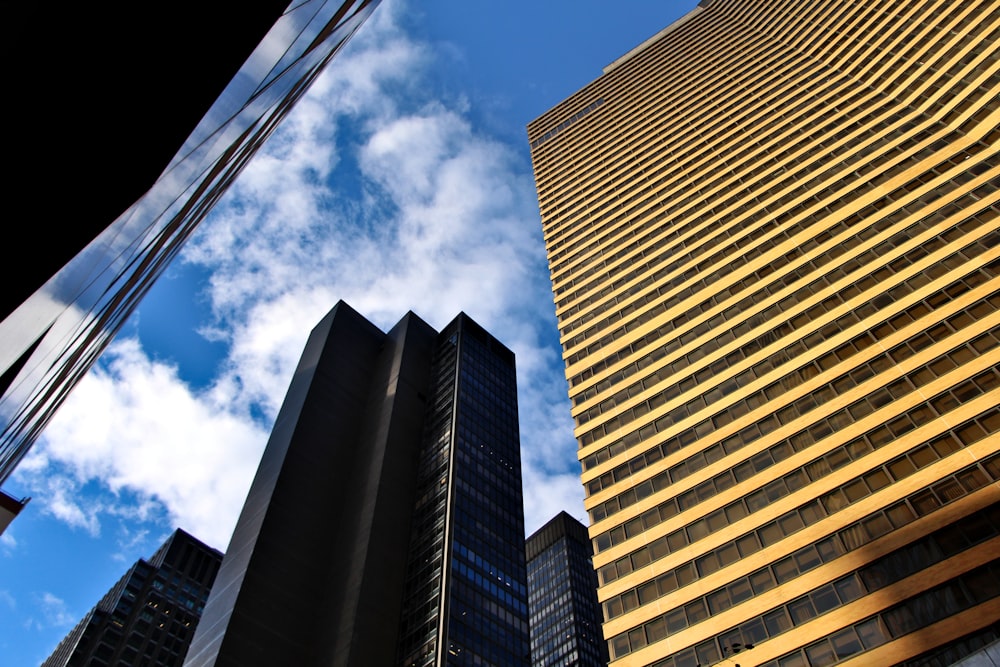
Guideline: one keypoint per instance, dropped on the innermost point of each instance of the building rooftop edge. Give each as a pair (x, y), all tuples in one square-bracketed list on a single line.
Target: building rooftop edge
[(628, 55)]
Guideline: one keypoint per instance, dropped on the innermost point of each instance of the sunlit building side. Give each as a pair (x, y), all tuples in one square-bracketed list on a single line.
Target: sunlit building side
[(772, 234), (49, 341)]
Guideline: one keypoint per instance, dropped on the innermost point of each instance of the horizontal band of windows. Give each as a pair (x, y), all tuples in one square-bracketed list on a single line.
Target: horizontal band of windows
[(951, 324), (940, 446), (881, 573), (784, 330), (740, 248), (805, 608), (972, 220), (784, 414), (829, 503), (667, 340)]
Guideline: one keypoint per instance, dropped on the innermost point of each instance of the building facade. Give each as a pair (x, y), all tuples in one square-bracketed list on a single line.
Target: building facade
[(168, 125), (385, 523), (565, 616), (772, 234), (149, 616)]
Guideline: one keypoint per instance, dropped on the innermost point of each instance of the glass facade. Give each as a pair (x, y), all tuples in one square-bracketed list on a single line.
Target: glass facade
[(50, 341), (562, 597), (466, 591), (150, 615), (773, 234), (385, 524)]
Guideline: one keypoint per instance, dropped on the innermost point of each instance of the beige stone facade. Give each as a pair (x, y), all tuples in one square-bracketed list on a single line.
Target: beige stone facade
[(773, 234)]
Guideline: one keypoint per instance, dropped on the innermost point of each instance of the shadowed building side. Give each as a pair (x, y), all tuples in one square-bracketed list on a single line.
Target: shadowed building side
[(323, 567), (150, 615), (322, 516)]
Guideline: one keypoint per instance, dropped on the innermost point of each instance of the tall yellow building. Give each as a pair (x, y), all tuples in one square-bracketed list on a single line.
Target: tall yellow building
[(773, 238)]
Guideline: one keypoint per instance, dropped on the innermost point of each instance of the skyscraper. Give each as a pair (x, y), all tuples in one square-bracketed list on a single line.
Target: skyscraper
[(772, 233), (149, 616), (136, 146), (565, 617), (385, 524)]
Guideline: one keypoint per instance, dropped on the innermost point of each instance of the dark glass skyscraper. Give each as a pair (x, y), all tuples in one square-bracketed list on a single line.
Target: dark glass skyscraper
[(149, 616), (170, 119), (466, 595), (565, 616), (385, 524)]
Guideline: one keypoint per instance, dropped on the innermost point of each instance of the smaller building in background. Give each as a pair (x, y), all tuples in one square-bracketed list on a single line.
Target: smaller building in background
[(562, 596), (149, 616)]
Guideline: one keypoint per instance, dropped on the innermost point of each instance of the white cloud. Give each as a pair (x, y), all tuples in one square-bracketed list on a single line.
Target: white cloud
[(54, 611), (134, 425), (389, 201)]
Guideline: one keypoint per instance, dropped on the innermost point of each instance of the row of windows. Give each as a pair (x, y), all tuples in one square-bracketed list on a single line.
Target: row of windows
[(548, 622), (784, 330), (774, 312), (839, 110), (667, 332), (473, 640), (740, 246), (774, 118), (566, 123), (492, 621), (489, 585), (807, 514), (743, 470), (831, 147), (740, 160), (709, 32), (940, 446), (967, 203), (949, 654), (724, 294), (506, 552), (477, 476), (949, 83), (508, 581), (959, 594), (804, 95), (887, 570), (793, 481), (722, 48), (855, 377)]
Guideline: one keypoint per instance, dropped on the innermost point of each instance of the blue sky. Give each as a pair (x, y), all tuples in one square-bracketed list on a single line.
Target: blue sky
[(402, 181)]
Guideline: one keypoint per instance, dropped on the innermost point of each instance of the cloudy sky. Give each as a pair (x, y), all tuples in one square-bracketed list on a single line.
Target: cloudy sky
[(402, 181)]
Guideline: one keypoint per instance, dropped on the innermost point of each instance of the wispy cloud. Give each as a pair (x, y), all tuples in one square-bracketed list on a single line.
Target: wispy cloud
[(7, 543), (54, 611), (376, 190), (153, 443)]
